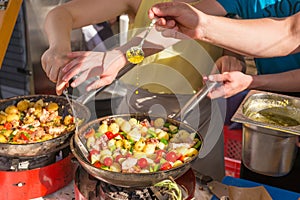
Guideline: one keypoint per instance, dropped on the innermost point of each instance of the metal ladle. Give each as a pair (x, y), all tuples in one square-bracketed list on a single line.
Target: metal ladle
[(80, 144), (135, 54), (83, 99)]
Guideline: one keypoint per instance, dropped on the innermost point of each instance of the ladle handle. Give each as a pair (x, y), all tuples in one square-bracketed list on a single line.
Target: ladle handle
[(194, 101), (147, 32)]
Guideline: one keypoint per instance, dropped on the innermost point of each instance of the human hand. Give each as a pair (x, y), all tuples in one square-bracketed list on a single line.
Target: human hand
[(176, 18), (230, 63), (233, 83), (88, 64), (52, 60)]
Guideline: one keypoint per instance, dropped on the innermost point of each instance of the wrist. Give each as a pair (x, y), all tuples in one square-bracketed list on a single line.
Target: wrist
[(120, 57), (202, 27), (60, 47), (255, 82)]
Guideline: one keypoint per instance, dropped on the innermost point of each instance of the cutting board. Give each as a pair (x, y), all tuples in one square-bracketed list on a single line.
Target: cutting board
[(8, 19)]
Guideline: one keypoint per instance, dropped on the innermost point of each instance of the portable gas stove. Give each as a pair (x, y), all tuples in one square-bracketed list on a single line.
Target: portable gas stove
[(87, 187), (32, 177)]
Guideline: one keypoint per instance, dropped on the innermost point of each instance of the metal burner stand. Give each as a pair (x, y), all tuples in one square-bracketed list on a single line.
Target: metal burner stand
[(87, 187)]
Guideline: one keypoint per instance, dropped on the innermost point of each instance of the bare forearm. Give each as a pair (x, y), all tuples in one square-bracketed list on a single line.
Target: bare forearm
[(282, 82), (78, 13), (260, 38), (58, 27)]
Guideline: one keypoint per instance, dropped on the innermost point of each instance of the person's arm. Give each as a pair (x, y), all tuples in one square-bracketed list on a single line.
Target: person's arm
[(61, 20), (75, 14), (235, 82), (265, 37)]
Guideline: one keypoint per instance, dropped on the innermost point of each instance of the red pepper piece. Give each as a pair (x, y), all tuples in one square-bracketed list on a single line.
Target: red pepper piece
[(109, 135), (165, 166), (8, 126)]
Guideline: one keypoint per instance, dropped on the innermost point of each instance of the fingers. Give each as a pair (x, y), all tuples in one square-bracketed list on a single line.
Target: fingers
[(76, 58), (76, 54), (217, 92), (61, 85), (163, 9), (218, 77), (74, 69), (100, 82)]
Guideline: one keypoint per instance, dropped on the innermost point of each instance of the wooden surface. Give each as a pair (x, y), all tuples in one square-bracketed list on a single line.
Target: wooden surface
[(8, 19)]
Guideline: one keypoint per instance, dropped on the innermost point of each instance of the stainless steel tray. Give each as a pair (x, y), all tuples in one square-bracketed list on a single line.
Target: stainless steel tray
[(256, 101)]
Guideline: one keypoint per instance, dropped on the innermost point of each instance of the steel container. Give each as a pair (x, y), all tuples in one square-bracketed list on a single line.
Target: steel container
[(270, 132)]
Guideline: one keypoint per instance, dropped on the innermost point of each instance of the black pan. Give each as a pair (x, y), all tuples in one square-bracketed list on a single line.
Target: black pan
[(45, 147)]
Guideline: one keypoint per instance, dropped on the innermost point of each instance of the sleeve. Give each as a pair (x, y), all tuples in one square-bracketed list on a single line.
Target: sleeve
[(234, 6)]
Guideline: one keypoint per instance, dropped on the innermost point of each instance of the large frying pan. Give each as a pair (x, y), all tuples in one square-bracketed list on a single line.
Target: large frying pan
[(139, 179), (130, 179), (48, 146)]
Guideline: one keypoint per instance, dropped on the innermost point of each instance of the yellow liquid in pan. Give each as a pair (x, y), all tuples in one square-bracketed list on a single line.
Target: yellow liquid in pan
[(274, 116)]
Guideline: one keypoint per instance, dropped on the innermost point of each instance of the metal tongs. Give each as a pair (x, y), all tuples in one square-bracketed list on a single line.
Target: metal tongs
[(194, 101)]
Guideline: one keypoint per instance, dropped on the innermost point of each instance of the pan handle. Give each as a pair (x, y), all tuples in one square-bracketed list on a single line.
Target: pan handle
[(194, 101), (83, 99)]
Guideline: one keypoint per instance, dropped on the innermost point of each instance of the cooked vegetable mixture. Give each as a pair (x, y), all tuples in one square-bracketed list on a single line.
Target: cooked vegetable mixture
[(31, 122), (134, 146)]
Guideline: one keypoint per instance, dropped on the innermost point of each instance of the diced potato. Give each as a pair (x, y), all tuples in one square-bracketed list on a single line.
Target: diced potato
[(6, 133), (125, 126), (134, 135), (12, 117), (38, 110), (95, 158), (133, 122), (126, 144), (139, 145), (115, 167), (52, 106), (28, 120), (177, 163), (11, 109), (105, 153), (103, 128), (111, 143), (119, 121), (2, 119), (119, 143), (173, 129), (161, 146), (191, 152), (39, 102), (159, 123), (138, 154), (163, 135), (68, 120), (23, 105), (46, 137), (114, 128), (3, 139), (150, 148)]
